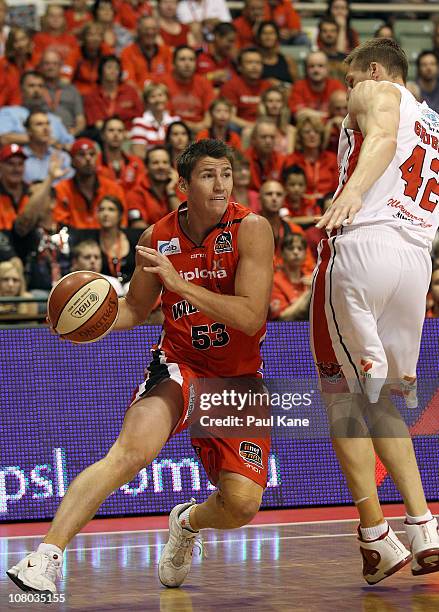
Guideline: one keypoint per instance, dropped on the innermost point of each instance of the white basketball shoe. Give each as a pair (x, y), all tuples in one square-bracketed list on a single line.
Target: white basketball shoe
[(176, 558), (383, 557), (37, 572), (424, 544)]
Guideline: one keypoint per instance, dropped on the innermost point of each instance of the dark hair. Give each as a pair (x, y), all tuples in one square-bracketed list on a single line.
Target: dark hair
[(245, 51), (106, 59), (156, 148), (290, 170), (171, 125), (290, 238), (223, 28), (349, 32), (263, 25), (112, 118), (32, 113), (217, 101), (28, 73), (384, 51), (9, 44), (327, 19), (181, 48), (207, 147), (96, 6), (424, 54), (115, 200)]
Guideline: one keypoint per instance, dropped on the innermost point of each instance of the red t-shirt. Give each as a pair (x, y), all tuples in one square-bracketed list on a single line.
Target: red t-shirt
[(206, 62), (284, 293), (261, 171), (10, 209), (10, 75), (288, 227), (307, 207), (245, 36), (140, 69), (83, 72), (244, 96), (175, 40), (232, 138), (127, 105), (128, 15), (302, 95), (283, 14), (191, 100), (321, 176), (132, 170), (144, 203), (63, 43), (73, 24)]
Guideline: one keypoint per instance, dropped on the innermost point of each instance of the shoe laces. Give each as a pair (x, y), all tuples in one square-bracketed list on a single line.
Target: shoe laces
[(53, 569)]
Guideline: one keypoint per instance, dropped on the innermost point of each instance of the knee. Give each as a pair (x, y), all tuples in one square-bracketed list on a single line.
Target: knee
[(240, 510), (126, 461)]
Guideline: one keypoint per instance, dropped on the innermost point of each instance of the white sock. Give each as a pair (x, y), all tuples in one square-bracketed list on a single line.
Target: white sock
[(50, 548), (373, 533), (184, 521), (412, 520)]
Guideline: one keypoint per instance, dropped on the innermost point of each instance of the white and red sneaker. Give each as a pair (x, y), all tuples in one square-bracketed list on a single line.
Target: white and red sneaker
[(424, 544), (383, 557), (37, 572)]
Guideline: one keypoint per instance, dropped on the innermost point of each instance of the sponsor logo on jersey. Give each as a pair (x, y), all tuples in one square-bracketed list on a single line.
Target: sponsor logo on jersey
[(169, 247), (182, 309), (197, 273), (85, 305), (223, 243), (366, 367), (330, 371), (251, 452)]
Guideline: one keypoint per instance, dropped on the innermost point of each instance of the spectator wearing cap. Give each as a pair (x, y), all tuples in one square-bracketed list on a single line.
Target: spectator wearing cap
[(217, 62), (291, 293), (12, 118), (265, 163), (114, 163), (145, 60), (14, 195), (111, 97), (39, 151), (77, 198), (428, 78), (314, 91)]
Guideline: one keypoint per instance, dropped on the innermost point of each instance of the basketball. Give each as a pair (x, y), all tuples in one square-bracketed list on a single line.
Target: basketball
[(82, 307)]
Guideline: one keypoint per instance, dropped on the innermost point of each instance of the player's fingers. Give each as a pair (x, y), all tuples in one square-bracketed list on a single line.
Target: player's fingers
[(325, 219), (153, 269)]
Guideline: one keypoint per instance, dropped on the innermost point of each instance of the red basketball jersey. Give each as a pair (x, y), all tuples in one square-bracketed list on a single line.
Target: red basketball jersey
[(188, 335)]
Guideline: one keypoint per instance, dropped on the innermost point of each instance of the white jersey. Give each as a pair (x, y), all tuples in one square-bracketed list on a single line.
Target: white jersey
[(406, 196)]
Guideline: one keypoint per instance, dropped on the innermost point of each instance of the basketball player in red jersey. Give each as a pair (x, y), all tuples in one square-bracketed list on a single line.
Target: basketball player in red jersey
[(369, 291), (213, 262)]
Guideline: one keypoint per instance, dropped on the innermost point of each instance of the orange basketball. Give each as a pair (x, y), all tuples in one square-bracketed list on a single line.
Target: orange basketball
[(82, 307)]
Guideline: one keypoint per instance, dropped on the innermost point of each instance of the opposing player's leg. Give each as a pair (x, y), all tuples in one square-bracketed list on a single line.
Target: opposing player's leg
[(234, 505), (146, 428)]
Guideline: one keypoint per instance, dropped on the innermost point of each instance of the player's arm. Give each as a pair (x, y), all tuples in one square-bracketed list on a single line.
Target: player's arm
[(144, 290), (375, 108), (247, 309)]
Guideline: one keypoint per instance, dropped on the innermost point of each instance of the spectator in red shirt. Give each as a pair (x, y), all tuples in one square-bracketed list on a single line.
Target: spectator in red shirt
[(220, 113), (54, 34), (316, 88), (265, 163), (247, 23), (172, 32), (190, 94), (155, 196), (217, 63), (320, 166), (145, 60), (287, 20), (244, 90), (111, 97), (126, 170), (301, 209), (129, 12), (17, 60), (241, 184), (178, 137), (291, 293), (433, 312), (338, 109), (77, 199), (76, 16), (82, 65), (348, 38)]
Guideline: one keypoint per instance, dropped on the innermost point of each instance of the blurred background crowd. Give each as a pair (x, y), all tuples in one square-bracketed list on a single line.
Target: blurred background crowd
[(98, 100)]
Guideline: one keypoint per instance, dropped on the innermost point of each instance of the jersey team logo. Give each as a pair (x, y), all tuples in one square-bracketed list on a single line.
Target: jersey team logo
[(251, 452), (223, 243), (331, 372), (169, 247)]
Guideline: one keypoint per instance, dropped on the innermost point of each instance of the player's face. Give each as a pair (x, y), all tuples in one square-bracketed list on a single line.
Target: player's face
[(39, 128), (295, 186), (10, 283), (114, 134), (317, 67), (108, 214), (89, 259), (251, 66), (354, 76), (185, 63), (159, 166), (211, 185), (272, 196)]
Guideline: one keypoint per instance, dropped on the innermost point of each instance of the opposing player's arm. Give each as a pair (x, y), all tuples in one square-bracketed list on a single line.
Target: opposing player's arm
[(247, 309), (144, 290), (375, 106)]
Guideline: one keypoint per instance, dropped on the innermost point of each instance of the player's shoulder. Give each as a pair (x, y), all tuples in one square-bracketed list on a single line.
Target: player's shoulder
[(368, 90), (255, 229)]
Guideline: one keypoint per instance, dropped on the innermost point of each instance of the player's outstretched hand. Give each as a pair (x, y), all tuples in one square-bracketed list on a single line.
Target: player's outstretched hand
[(343, 208), (160, 264)]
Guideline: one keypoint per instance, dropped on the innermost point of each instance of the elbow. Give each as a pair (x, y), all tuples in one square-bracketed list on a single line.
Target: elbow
[(253, 325)]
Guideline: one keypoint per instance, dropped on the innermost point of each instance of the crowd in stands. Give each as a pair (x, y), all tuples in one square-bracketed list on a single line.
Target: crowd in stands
[(98, 102)]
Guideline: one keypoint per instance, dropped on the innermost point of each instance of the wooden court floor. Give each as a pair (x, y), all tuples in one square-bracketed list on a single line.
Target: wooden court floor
[(309, 567)]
